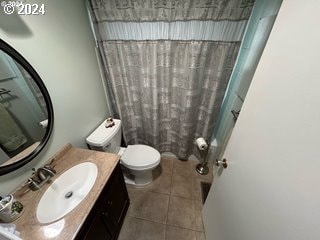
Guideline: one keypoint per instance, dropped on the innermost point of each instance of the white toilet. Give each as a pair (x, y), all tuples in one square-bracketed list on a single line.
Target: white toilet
[(139, 159)]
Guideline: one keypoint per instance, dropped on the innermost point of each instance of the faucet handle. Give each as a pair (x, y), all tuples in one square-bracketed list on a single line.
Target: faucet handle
[(50, 169), (34, 173), (46, 172), (31, 183), (24, 187), (27, 183)]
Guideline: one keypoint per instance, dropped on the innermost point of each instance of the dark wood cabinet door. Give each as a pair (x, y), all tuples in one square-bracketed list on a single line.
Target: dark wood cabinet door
[(106, 217), (97, 230), (117, 202)]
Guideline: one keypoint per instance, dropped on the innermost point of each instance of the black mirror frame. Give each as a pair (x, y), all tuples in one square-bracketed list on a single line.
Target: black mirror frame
[(23, 62)]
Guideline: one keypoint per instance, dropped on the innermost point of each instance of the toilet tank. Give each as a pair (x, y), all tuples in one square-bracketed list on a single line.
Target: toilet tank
[(106, 139)]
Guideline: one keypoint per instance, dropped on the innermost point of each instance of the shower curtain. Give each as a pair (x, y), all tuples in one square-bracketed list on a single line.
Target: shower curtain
[(167, 65)]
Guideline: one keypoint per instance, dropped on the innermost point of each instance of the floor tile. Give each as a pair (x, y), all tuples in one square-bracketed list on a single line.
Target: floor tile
[(176, 233), (198, 216), (185, 213), (182, 186), (200, 236), (186, 186), (170, 207), (162, 184), (167, 164), (148, 205), (183, 168), (138, 229), (162, 177), (181, 213)]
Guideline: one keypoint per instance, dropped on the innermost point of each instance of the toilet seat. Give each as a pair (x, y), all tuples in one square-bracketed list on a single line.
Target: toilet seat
[(140, 157)]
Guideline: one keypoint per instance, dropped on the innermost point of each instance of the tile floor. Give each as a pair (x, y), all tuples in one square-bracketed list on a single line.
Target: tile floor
[(170, 207)]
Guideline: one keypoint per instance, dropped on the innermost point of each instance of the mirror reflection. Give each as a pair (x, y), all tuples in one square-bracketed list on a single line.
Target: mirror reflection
[(23, 112)]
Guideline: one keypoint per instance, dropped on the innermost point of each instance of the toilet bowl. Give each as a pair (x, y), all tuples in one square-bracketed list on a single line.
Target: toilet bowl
[(138, 159)]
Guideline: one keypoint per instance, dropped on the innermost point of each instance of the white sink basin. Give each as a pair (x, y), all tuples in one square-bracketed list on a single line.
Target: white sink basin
[(66, 192)]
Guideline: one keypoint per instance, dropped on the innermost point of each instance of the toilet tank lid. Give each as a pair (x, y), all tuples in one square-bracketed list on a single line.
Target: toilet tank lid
[(102, 135)]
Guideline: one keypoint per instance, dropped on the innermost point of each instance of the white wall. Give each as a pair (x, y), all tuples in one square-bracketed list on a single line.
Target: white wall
[(60, 46), (270, 188)]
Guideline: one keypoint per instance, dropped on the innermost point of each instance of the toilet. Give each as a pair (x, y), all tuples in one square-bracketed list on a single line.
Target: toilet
[(138, 160)]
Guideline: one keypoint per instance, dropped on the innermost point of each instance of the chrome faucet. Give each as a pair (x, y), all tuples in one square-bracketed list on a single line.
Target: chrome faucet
[(46, 172), (40, 177)]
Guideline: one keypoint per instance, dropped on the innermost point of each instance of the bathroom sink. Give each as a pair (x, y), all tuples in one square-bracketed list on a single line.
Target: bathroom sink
[(66, 192)]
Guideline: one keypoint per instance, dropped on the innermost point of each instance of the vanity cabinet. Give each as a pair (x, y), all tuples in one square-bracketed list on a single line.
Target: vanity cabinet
[(106, 217)]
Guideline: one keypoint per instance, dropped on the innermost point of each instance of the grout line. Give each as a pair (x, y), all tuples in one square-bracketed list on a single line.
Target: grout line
[(171, 182), (148, 220), (172, 225), (170, 191), (167, 194), (167, 215), (165, 231), (147, 190), (184, 228), (192, 198)]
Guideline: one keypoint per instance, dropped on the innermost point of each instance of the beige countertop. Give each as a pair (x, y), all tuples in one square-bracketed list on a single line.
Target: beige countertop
[(68, 226)]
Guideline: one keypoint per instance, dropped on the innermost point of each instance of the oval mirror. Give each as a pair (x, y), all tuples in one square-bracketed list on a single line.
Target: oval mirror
[(26, 112)]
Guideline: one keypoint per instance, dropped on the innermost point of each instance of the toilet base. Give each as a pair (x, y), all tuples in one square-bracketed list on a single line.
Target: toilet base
[(137, 178), (132, 182)]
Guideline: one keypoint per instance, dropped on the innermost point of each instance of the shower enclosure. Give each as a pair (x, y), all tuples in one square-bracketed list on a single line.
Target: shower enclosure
[(167, 65)]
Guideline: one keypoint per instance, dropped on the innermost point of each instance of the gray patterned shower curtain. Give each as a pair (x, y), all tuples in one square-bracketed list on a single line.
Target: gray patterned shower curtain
[(167, 65)]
